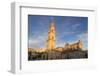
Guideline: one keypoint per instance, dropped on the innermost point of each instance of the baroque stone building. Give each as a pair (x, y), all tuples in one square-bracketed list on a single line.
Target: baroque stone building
[(75, 46), (50, 43)]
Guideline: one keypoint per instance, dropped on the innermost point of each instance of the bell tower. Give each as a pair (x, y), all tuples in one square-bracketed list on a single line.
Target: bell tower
[(50, 43)]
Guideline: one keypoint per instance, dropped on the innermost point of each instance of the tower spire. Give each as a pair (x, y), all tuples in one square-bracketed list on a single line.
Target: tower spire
[(51, 37)]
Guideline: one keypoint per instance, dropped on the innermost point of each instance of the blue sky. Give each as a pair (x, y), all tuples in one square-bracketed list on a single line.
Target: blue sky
[(68, 29)]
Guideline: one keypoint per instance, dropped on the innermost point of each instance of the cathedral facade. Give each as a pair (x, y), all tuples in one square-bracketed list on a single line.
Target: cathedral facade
[(75, 46)]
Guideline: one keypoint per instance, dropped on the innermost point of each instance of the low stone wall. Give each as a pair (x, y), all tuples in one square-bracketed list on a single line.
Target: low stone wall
[(53, 55)]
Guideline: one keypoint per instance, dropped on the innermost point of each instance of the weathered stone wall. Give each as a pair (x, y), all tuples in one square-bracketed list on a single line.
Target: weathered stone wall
[(52, 55)]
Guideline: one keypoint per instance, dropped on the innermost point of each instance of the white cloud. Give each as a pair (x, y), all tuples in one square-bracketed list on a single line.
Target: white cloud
[(60, 44), (37, 41), (68, 32), (33, 41), (83, 36), (75, 27)]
